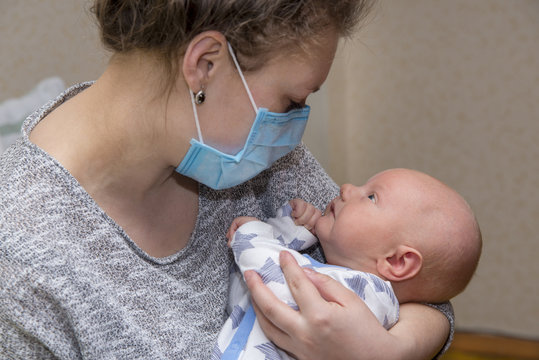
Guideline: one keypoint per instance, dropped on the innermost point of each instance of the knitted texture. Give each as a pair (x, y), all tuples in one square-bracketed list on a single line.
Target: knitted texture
[(74, 285)]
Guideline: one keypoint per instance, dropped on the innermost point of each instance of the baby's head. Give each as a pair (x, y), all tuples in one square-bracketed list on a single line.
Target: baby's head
[(408, 228)]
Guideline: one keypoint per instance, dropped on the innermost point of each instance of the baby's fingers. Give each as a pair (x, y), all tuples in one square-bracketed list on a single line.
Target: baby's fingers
[(236, 223), (231, 230), (304, 213), (309, 217), (298, 207)]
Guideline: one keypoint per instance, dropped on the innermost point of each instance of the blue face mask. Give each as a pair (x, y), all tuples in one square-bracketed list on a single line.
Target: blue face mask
[(272, 136)]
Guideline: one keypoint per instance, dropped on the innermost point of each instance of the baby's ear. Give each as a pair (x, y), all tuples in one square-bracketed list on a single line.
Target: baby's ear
[(403, 263)]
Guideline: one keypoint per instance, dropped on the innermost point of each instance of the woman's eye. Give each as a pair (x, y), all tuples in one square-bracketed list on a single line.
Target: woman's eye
[(372, 198)]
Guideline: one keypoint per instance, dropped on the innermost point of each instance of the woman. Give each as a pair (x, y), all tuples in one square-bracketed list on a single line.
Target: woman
[(112, 230)]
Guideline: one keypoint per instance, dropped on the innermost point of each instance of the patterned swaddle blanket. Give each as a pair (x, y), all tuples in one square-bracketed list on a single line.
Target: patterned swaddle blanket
[(256, 246)]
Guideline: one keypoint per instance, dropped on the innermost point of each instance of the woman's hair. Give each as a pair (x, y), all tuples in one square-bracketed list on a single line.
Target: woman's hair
[(254, 28)]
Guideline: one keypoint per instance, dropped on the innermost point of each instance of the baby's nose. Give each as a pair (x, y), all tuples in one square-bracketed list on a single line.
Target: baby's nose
[(347, 190)]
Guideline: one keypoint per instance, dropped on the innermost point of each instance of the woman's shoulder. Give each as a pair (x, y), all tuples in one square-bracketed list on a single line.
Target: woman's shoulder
[(37, 195), (299, 159), (310, 180), (16, 174), (26, 172)]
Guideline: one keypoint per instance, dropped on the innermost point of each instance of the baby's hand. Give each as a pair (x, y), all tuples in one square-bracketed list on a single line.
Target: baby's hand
[(239, 221), (305, 214)]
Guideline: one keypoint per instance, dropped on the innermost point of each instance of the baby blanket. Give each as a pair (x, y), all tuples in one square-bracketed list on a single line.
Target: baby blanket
[(256, 246)]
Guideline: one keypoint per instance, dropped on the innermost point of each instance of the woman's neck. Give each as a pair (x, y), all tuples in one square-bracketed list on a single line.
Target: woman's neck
[(116, 140), (117, 132)]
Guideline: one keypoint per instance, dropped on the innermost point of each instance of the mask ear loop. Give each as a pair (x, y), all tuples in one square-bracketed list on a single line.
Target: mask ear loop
[(244, 84), (196, 117), (242, 77)]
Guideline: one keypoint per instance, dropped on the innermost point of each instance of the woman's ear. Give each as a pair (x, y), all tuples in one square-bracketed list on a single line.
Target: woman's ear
[(401, 264), (203, 54)]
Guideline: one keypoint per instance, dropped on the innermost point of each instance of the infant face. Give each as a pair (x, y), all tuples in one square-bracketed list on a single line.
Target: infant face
[(364, 221)]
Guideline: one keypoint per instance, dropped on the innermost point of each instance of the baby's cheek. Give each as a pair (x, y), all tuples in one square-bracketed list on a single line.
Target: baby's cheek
[(322, 230)]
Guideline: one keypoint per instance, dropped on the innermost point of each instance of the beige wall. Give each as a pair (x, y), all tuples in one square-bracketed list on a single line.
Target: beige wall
[(447, 87), (452, 88), (43, 38)]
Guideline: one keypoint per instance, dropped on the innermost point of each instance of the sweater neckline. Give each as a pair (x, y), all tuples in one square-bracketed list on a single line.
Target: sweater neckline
[(78, 190)]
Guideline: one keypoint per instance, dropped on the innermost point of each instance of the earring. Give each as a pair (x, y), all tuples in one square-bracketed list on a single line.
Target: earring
[(200, 96)]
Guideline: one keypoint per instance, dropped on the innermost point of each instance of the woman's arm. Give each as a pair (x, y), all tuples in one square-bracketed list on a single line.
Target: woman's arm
[(422, 330), (334, 323)]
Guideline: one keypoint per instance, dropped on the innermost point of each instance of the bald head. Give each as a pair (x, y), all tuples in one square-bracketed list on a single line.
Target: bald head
[(440, 224)]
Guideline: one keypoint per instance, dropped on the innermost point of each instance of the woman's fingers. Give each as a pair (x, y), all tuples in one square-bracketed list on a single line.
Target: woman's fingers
[(327, 324), (304, 292), (330, 289), (276, 335), (277, 312)]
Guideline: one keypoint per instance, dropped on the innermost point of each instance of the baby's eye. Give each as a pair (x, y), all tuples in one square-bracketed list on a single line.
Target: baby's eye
[(372, 198)]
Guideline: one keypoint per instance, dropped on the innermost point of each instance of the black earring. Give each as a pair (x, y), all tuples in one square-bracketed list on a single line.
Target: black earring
[(200, 96)]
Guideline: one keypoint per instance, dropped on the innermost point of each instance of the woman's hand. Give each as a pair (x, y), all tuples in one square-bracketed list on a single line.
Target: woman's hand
[(305, 214), (334, 323)]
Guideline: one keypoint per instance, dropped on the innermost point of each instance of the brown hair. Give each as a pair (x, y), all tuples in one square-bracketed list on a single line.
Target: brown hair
[(254, 28)]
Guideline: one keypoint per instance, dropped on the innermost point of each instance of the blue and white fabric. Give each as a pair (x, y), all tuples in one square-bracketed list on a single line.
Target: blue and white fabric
[(256, 246)]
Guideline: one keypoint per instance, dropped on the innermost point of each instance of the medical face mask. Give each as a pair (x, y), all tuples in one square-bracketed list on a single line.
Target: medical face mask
[(272, 136)]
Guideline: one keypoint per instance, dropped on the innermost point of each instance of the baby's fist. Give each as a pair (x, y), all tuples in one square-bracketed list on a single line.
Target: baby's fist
[(305, 214), (236, 223)]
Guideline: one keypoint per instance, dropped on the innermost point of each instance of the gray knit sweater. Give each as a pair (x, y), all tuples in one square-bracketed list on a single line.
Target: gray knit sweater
[(74, 285)]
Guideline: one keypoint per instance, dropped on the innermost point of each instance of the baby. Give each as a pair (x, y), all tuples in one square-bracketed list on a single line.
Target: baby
[(403, 236)]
